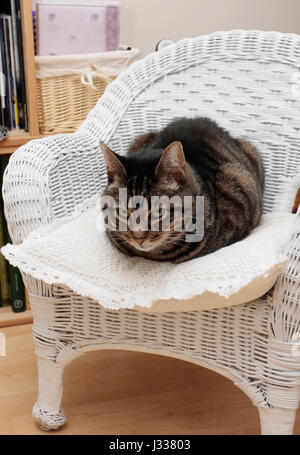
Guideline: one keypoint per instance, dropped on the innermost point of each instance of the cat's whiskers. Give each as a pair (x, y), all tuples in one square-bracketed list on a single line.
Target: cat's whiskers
[(227, 172)]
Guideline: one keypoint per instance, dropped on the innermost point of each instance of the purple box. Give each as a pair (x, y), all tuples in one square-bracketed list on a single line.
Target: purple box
[(76, 28)]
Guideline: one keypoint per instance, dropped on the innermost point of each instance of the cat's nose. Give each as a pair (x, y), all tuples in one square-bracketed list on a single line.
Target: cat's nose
[(139, 236)]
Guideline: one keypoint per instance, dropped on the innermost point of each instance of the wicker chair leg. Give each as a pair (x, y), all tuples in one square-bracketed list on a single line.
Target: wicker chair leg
[(47, 410), (277, 421)]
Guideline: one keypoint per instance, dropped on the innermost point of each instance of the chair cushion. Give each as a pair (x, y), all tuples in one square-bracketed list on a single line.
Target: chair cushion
[(75, 252)]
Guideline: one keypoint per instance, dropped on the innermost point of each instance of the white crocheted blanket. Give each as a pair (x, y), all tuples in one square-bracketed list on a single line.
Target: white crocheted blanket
[(73, 252)]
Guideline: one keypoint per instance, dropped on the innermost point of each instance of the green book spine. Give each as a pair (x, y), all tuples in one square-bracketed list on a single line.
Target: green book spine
[(16, 285), (15, 282), (5, 291)]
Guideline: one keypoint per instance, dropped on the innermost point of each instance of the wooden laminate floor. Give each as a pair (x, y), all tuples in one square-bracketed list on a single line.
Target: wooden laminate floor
[(120, 392)]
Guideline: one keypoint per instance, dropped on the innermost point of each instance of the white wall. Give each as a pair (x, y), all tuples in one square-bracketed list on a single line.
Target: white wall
[(145, 22)]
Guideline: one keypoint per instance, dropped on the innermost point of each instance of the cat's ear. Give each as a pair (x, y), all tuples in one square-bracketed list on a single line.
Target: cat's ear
[(116, 172), (170, 170)]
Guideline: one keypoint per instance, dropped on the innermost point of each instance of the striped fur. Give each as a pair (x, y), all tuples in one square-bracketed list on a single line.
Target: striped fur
[(204, 161)]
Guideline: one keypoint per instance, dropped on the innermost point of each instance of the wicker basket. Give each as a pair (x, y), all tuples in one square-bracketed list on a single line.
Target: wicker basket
[(69, 86)]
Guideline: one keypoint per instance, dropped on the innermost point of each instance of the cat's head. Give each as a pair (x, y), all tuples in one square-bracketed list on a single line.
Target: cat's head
[(144, 198)]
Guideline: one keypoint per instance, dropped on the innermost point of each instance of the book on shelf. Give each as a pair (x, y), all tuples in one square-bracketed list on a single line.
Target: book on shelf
[(77, 27), (15, 283), (9, 74), (4, 285), (19, 62), (12, 287), (12, 80), (5, 290), (5, 105)]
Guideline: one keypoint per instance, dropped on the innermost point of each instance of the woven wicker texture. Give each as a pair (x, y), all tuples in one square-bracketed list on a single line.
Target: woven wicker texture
[(64, 102), (68, 87), (250, 88), (119, 281)]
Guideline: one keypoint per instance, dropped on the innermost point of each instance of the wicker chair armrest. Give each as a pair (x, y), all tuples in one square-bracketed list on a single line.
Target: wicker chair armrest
[(46, 178), (285, 320)]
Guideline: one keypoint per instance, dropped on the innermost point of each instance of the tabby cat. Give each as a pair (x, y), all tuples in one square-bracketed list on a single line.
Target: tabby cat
[(189, 157)]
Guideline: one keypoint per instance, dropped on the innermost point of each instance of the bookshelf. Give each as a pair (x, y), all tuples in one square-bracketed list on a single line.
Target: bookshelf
[(16, 138), (9, 318)]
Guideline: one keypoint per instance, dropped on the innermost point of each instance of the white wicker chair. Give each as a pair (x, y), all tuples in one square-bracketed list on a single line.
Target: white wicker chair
[(245, 80)]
